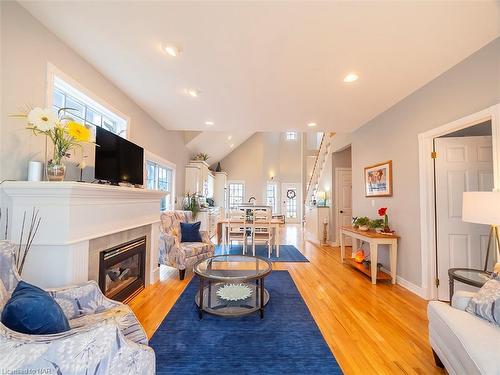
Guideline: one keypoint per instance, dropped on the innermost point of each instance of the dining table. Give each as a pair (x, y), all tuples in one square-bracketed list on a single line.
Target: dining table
[(273, 224)]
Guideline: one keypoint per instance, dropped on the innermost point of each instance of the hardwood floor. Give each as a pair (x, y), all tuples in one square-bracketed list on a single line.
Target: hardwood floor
[(371, 329)]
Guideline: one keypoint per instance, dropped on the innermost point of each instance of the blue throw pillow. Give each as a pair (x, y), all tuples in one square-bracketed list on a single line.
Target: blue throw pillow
[(33, 311), (190, 232)]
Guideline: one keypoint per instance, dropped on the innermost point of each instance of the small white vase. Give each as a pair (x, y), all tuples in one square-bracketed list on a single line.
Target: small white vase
[(364, 228)]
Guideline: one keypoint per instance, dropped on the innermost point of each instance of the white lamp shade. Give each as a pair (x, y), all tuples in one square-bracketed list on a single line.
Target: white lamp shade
[(481, 207)]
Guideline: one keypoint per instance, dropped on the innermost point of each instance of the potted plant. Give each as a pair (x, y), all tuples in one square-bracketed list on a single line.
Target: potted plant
[(383, 213), (191, 203), (376, 224), (363, 223), (201, 156)]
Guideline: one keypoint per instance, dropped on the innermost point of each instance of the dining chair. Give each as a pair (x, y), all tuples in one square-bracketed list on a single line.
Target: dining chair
[(261, 228), (236, 228)]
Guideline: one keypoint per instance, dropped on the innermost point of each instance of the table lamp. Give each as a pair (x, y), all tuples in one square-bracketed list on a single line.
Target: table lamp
[(483, 207)]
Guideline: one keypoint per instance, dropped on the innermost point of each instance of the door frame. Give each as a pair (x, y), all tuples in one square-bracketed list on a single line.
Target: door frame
[(426, 179), (337, 202)]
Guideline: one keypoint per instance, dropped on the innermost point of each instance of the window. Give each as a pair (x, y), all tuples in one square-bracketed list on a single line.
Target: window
[(159, 177), (291, 136), (271, 196), (236, 194), (85, 109)]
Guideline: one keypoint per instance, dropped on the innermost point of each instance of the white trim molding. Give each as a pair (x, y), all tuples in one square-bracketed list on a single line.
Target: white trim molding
[(427, 222), (415, 289)]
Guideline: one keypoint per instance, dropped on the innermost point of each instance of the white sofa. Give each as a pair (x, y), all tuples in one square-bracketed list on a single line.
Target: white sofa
[(461, 342)]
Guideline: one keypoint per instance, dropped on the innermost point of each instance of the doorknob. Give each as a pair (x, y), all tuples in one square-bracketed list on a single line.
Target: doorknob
[(341, 211)]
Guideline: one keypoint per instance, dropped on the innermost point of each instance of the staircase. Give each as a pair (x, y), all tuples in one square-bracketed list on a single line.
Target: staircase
[(324, 152)]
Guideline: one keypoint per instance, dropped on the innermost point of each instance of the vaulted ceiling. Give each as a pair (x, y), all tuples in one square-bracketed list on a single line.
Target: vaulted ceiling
[(270, 66)]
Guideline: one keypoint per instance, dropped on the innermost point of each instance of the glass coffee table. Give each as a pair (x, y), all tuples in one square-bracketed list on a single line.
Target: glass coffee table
[(232, 285)]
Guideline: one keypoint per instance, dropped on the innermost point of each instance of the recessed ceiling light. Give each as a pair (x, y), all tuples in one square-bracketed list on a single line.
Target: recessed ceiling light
[(209, 123), (172, 50), (351, 77), (231, 145), (311, 124), (193, 93), (230, 137)]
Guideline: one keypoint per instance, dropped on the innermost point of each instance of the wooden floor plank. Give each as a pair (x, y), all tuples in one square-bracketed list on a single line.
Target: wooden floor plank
[(371, 329)]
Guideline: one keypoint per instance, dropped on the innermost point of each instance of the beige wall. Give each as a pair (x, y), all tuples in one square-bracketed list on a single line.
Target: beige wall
[(259, 157), (470, 86), (27, 47)]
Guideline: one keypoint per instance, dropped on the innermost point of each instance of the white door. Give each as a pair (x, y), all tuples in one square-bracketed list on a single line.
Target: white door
[(462, 164), (343, 201), (291, 202)]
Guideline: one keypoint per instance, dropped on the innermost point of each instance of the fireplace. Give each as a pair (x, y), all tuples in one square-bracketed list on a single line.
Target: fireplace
[(122, 270)]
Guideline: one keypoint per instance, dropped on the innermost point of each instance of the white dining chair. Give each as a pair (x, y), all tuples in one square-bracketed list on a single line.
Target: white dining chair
[(236, 228), (262, 228)]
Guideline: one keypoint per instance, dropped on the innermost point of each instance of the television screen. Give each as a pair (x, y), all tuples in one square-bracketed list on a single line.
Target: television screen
[(117, 160)]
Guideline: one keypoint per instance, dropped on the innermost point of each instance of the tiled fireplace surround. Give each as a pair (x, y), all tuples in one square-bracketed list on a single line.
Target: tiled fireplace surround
[(79, 221)]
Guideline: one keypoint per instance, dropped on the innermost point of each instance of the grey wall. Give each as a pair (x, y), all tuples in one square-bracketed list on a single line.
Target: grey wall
[(27, 47), (470, 86)]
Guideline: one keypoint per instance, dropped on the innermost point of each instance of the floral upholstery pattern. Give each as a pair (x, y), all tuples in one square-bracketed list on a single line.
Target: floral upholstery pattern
[(173, 252), (105, 336)]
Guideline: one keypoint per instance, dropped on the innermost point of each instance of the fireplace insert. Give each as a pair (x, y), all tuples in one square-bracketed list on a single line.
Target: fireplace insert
[(122, 270)]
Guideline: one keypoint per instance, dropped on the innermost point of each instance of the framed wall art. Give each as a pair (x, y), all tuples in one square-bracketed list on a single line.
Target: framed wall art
[(378, 180)]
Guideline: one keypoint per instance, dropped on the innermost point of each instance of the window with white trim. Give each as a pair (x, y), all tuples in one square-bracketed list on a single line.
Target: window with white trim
[(159, 177), (291, 136), (84, 109), (272, 196), (236, 194)]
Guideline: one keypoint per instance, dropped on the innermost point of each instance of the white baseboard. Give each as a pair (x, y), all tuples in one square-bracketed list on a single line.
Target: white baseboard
[(155, 276), (419, 291), (415, 289)]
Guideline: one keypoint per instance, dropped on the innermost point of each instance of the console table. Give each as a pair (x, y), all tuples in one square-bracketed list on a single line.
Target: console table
[(374, 239)]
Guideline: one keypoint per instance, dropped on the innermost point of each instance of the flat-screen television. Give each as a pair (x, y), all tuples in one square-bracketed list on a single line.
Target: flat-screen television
[(117, 160)]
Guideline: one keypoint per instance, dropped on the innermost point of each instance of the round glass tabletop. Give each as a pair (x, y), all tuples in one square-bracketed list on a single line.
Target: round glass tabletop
[(470, 275), (233, 268)]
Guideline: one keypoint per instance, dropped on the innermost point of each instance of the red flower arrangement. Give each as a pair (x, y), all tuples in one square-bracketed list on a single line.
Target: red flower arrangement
[(383, 212)]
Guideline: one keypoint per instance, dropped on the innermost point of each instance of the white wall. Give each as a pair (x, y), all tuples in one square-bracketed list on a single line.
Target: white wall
[(470, 86), (261, 156), (27, 47), (340, 159)]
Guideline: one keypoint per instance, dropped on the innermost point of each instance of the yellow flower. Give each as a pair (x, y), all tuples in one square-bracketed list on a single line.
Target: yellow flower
[(79, 132)]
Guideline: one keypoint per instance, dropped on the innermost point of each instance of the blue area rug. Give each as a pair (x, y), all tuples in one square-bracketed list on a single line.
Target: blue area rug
[(288, 253), (286, 341)]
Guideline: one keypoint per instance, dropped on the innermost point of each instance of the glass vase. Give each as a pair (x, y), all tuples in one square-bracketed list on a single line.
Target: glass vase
[(56, 171)]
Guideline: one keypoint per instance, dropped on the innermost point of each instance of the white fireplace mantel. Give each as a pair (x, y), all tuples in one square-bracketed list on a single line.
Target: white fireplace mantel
[(72, 214)]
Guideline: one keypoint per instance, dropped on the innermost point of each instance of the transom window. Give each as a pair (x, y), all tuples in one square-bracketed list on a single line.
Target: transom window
[(159, 177), (85, 109), (236, 194), (291, 136), (271, 196)]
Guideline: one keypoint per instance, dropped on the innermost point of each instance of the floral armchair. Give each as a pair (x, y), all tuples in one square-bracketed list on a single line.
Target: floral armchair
[(105, 336), (174, 252)]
